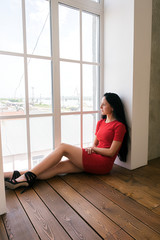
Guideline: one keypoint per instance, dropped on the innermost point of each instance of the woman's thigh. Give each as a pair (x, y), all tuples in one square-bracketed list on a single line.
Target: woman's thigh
[(73, 153)]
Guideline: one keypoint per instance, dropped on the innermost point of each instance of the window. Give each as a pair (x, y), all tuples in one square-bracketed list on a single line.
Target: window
[(50, 77)]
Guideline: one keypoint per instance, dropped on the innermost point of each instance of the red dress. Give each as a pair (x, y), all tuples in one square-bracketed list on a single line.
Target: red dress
[(106, 133)]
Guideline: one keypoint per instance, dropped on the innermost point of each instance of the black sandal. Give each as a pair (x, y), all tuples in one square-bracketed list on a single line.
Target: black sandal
[(15, 175), (13, 184)]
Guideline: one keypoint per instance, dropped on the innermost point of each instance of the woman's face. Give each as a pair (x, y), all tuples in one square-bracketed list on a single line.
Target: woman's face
[(105, 107)]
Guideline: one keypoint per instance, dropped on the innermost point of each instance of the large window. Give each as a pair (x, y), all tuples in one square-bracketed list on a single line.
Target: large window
[(50, 75)]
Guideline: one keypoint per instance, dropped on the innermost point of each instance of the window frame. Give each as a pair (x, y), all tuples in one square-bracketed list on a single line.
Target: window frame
[(82, 5), (90, 7)]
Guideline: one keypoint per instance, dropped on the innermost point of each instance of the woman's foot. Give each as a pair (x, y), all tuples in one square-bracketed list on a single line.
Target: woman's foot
[(11, 175), (21, 178), (25, 180)]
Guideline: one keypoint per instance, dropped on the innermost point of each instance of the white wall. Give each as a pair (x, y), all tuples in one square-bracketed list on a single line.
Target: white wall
[(2, 191), (141, 82), (127, 46)]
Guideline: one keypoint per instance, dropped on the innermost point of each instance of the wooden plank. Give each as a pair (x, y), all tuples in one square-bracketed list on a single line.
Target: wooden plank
[(126, 221), (97, 220), (120, 234), (137, 210), (16, 222), (149, 170), (76, 227), (44, 222), (156, 210), (3, 234), (131, 188), (145, 176), (155, 163)]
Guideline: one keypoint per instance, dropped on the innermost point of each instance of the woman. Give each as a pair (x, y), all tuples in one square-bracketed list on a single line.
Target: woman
[(111, 139)]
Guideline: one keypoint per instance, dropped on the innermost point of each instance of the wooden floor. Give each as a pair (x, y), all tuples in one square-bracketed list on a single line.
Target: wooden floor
[(122, 205)]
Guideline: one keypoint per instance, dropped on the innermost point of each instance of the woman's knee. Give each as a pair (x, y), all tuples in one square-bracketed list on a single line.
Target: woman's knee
[(64, 147), (70, 151)]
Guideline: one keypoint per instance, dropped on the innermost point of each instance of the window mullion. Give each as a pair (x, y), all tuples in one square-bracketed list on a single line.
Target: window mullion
[(81, 79), (101, 57), (56, 72), (26, 83)]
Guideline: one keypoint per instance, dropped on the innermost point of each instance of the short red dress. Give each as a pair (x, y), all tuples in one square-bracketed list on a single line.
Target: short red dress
[(106, 133)]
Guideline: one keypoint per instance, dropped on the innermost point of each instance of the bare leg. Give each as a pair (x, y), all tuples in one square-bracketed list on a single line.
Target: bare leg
[(74, 154), (61, 168), (51, 164)]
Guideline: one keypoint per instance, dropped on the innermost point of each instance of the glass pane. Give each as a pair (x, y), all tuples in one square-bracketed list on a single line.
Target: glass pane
[(14, 144), (90, 87), (38, 27), (11, 26), (40, 87), (89, 127), (90, 37), (70, 86), (69, 32), (12, 93), (70, 129), (41, 138)]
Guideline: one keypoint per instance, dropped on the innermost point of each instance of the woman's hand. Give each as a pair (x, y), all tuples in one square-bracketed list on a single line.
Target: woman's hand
[(89, 150)]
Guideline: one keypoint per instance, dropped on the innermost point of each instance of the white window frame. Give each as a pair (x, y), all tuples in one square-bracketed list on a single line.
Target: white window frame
[(82, 5)]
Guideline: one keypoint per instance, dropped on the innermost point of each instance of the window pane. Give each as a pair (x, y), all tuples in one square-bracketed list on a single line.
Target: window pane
[(12, 94), (70, 86), (69, 33), (11, 26), (90, 37), (40, 88), (90, 87), (38, 27), (41, 138), (70, 129), (89, 127), (14, 144)]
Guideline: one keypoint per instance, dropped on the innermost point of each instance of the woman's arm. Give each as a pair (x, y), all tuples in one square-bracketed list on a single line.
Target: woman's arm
[(110, 152), (95, 143)]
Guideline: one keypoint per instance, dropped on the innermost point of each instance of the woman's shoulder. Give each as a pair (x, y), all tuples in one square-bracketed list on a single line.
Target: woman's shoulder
[(118, 124), (100, 122)]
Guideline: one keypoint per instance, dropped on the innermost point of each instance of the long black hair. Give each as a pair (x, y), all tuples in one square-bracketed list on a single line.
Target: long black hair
[(118, 112)]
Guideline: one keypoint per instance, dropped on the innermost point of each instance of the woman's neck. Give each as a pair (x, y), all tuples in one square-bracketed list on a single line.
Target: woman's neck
[(110, 118)]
